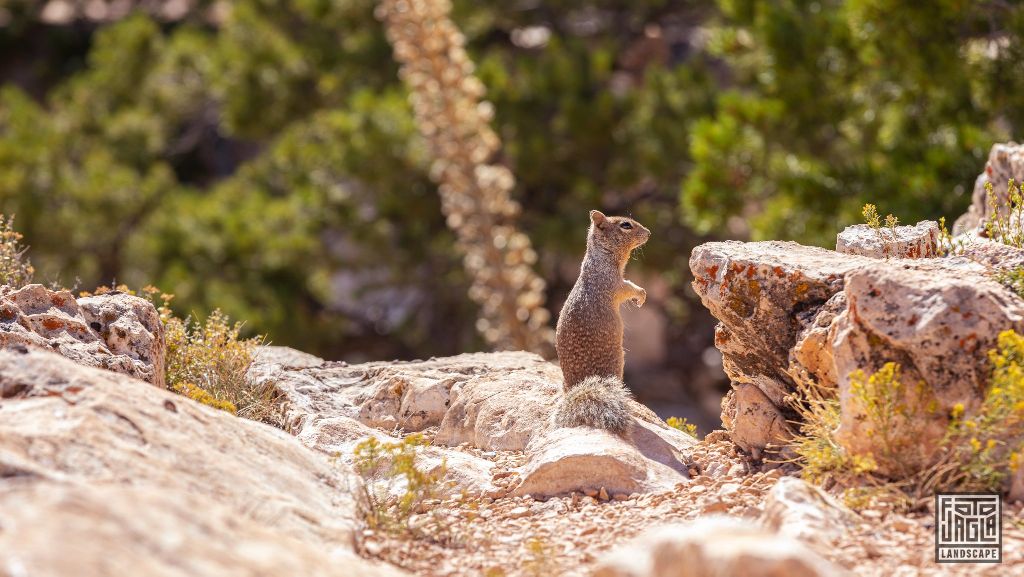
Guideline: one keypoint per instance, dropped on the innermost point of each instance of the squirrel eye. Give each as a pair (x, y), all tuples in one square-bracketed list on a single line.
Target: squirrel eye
[(626, 225)]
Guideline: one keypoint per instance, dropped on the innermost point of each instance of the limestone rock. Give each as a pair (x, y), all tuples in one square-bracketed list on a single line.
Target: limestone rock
[(760, 292), (1005, 161), (918, 241), (339, 436), (113, 331), (61, 422), (799, 510), (492, 401), (564, 460), (811, 358), (756, 422), (938, 321), (56, 529), (713, 547), (407, 395)]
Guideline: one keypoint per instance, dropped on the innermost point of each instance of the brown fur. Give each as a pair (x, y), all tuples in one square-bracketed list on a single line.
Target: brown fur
[(588, 338)]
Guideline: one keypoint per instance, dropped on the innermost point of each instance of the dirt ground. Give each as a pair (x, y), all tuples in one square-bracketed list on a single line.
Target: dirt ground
[(564, 536)]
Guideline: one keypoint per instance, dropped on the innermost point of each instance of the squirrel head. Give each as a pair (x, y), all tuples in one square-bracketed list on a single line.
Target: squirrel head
[(617, 235)]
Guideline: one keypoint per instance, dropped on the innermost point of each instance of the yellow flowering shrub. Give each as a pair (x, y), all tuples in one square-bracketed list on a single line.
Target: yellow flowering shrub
[(683, 425), (988, 444), (981, 448)]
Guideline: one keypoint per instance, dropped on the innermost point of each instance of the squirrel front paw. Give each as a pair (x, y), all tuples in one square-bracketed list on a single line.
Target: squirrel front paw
[(640, 298)]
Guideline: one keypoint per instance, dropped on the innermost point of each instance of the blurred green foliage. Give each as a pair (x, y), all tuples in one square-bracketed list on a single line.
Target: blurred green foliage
[(267, 163)]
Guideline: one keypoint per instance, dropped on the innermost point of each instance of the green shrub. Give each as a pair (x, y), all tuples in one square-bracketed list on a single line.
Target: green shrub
[(1012, 278)]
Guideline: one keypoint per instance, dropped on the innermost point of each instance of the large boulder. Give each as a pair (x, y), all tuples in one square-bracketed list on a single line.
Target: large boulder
[(129, 475), (114, 331), (792, 316), (714, 547), (489, 401), (764, 294)]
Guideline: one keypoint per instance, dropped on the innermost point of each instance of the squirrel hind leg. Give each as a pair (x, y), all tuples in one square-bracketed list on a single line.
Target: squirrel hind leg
[(597, 402)]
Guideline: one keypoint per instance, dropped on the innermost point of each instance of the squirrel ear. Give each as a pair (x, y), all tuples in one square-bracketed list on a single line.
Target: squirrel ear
[(597, 217)]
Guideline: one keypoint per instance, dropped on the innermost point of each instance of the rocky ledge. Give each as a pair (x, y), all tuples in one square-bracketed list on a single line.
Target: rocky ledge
[(792, 315)]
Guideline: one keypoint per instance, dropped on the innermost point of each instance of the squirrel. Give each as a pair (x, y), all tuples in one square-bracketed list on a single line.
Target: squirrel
[(588, 337)]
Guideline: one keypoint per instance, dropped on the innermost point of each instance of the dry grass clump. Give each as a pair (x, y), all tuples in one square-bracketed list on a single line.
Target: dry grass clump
[(15, 268), (979, 451), (208, 362)]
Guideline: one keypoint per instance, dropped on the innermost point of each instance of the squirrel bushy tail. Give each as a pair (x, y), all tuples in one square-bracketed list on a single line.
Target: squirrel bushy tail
[(598, 402)]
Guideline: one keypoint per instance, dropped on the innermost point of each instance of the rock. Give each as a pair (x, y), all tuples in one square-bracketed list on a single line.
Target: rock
[(763, 294), (756, 422), (1016, 489), (811, 358), (918, 241), (595, 462), (503, 411), (801, 511), (1005, 161), (168, 466), (713, 547), (55, 529), (415, 395), (459, 472), (938, 321), (272, 357), (113, 331), (492, 401)]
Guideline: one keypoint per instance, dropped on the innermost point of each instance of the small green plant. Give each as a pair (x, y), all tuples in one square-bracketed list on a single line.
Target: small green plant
[(947, 244), (1005, 215), (885, 232), (683, 425), (824, 461), (396, 488), (15, 268)]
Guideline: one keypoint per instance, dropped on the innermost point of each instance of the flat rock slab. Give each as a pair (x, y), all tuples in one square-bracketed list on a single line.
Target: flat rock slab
[(490, 401), (57, 529), (76, 434)]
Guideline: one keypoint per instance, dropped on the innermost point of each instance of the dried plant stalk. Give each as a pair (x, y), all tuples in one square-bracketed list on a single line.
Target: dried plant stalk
[(452, 116)]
